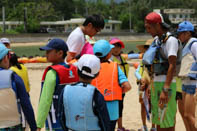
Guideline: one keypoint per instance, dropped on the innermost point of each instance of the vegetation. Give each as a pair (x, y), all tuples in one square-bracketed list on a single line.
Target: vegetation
[(53, 10)]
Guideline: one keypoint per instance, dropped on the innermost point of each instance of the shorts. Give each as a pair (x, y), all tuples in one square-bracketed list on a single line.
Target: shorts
[(169, 117), (189, 89), (121, 105)]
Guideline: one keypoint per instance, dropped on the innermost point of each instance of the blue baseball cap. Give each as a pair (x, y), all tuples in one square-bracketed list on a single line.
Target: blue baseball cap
[(185, 26), (102, 47), (57, 44), (3, 50)]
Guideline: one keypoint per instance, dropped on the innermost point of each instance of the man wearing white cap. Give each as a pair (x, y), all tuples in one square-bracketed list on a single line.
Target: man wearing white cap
[(82, 106), (6, 42)]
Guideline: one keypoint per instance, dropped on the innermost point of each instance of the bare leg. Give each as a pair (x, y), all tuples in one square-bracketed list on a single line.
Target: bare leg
[(181, 111), (120, 122), (143, 114), (189, 108)]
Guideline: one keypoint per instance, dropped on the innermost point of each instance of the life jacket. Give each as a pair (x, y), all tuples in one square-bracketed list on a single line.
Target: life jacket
[(123, 64), (23, 74), (107, 81), (189, 69), (10, 106), (64, 76), (79, 107), (160, 63)]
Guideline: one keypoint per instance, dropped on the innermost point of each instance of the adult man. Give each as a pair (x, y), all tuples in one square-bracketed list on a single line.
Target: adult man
[(163, 92), (76, 40)]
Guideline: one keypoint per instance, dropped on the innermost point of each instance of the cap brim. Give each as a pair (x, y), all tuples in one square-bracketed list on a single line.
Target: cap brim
[(45, 48), (112, 46)]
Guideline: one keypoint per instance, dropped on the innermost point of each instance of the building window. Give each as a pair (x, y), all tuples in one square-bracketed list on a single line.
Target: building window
[(107, 27)]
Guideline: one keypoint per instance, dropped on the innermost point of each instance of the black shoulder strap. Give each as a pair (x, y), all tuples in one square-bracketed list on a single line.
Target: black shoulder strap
[(123, 64)]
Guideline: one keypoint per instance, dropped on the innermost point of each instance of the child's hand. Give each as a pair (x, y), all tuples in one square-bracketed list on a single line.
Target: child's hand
[(143, 84)]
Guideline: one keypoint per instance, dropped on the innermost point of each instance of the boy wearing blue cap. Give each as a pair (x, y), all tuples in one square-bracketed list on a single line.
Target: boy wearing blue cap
[(111, 81), (188, 72), (83, 107), (54, 79), (14, 99)]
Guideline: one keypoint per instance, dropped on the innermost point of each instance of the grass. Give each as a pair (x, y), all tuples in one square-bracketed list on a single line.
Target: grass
[(34, 50)]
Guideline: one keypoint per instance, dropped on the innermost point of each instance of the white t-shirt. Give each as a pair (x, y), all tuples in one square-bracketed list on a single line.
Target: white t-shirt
[(170, 48), (76, 41)]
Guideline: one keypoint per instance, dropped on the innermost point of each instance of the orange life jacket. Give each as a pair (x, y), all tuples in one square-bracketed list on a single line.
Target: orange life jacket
[(107, 81)]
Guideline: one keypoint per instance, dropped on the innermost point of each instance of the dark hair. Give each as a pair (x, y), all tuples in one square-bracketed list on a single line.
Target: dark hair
[(103, 59), (96, 20), (85, 76), (14, 61), (64, 53)]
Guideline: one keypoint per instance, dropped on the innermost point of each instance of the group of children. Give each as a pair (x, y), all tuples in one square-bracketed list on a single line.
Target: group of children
[(89, 94)]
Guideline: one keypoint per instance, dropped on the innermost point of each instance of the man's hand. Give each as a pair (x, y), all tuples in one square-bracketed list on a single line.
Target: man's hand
[(163, 99)]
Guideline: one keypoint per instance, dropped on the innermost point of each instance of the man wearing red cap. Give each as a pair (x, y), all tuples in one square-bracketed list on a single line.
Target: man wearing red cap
[(163, 91)]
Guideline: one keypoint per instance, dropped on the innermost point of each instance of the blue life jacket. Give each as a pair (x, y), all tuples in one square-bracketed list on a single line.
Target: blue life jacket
[(188, 62), (78, 107), (193, 70), (10, 106), (161, 64), (65, 75)]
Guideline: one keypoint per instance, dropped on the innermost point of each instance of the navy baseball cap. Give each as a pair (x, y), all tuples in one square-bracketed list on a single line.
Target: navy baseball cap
[(57, 44)]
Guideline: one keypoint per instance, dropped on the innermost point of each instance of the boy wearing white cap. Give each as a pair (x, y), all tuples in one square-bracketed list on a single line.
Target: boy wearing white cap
[(82, 106)]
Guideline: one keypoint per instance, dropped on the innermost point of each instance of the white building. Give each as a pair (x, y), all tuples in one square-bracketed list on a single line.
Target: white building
[(179, 15), (66, 26)]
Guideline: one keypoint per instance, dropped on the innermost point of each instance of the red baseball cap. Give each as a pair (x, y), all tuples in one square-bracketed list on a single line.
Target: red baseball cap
[(153, 18), (116, 40)]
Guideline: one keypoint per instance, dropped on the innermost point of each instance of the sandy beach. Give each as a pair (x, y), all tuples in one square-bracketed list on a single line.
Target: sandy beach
[(131, 112)]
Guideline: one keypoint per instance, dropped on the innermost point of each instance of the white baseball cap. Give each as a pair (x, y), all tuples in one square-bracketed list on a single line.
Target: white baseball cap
[(5, 40), (89, 65)]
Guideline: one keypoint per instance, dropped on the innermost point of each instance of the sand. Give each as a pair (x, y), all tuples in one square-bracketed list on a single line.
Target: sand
[(131, 112)]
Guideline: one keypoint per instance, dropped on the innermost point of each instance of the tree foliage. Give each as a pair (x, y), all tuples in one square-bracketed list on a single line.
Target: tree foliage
[(54, 10)]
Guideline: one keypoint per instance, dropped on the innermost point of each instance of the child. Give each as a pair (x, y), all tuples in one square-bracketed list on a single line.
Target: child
[(14, 99), (111, 81), (76, 40), (54, 79), (143, 78), (83, 107), (20, 70), (6, 42), (188, 72), (116, 57)]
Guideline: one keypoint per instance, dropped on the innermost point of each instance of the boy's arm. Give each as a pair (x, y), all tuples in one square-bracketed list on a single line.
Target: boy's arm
[(46, 98), (61, 114), (24, 101), (123, 81), (100, 109)]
